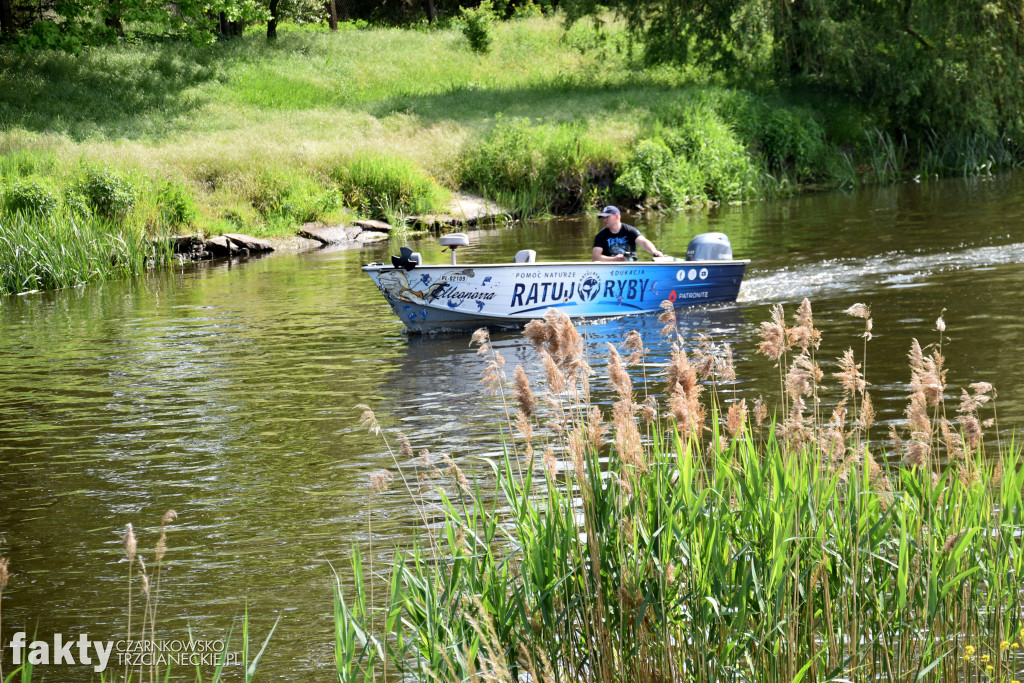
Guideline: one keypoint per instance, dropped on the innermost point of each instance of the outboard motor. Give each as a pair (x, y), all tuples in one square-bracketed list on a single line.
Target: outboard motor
[(709, 246)]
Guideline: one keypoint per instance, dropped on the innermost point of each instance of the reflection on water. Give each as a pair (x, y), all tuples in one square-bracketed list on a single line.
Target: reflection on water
[(227, 393)]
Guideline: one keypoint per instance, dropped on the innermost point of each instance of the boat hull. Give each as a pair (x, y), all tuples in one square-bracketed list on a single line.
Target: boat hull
[(443, 297)]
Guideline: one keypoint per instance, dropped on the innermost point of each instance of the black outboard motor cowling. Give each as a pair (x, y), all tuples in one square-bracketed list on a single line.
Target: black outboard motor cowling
[(709, 246)]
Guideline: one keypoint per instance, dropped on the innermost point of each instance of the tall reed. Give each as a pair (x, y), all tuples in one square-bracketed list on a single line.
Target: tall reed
[(5, 576), (695, 543), (39, 253)]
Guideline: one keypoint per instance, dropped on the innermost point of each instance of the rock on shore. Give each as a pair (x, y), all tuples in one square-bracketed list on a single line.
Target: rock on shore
[(195, 248), (464, 210)]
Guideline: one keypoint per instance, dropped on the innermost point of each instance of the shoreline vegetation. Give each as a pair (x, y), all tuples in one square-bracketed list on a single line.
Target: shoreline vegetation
[(145, 138), (685, 533)]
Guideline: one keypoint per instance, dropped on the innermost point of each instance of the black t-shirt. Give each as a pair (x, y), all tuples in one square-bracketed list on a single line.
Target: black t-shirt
[(622, 242)]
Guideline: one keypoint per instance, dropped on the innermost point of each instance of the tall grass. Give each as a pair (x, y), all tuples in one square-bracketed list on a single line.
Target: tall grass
[(38, 253), (536, 169), (686, 536)]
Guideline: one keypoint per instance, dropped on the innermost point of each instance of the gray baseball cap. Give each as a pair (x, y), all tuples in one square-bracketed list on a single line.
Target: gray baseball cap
[(608, 211)]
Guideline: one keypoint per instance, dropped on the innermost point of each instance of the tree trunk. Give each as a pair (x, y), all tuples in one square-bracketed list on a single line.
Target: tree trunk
[(222, 23), (113, 21), (237, 28), (112, 18), (6, 19), (272, 22), (332, 14), (431, 11)]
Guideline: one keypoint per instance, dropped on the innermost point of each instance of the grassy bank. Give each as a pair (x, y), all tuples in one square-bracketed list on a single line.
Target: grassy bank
[(376, 122), (686, 536)]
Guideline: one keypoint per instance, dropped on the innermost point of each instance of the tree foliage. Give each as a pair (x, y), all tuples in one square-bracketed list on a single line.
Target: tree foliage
[(938, 65)]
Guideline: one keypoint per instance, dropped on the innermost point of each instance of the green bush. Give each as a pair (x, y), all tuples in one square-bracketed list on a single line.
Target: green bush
[(177, 207), (712, 149), (526, 10), (652, 171), (30, 196), (790, 140), (108, 193), (691, 156), (291, 197), (478, 26), (537, 168), (75, 205), (386, 187)]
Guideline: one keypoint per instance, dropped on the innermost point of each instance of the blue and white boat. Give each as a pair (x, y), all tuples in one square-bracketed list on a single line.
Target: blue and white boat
[(432, 298)]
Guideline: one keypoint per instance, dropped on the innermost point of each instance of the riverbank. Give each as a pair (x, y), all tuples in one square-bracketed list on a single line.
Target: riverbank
[(260, 138)]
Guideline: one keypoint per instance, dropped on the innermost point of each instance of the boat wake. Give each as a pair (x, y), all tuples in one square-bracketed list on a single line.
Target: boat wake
[(890, 270)]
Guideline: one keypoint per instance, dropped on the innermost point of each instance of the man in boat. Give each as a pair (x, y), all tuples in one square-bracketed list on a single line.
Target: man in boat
[(618, 241)]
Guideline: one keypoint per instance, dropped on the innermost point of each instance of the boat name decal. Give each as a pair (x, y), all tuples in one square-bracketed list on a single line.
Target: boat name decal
[(486, 296)]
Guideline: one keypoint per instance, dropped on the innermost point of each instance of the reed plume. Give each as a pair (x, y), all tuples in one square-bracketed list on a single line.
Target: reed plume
[(404, 447), (667, 318), (620, 380), (380, 480), (130, 547), (684, 393), (704, 358), (634, 343), (867, 414), (455, 472), (775, 338), (833, 441), (760, 411), (849, 375), (5, 576), (968, 412), (803, 335), (554, 378), (927, 374), (727, 366), (159, 552), (493, 376), (368, 419), (736, 419), (649, 410), (550, 462), (859, 311), (524, 394)]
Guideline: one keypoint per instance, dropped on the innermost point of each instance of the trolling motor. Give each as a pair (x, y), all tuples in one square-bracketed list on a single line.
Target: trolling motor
[(408, 260)]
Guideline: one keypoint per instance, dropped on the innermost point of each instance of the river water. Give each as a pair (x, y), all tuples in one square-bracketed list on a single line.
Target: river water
[(226, 392)]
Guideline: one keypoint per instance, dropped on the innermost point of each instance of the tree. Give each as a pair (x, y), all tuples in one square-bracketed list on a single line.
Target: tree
[(272, 21), (925, 65), (6, 20)]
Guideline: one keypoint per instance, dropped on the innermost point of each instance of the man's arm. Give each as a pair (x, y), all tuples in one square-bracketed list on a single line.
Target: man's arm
[(648, 246), (597, 254)]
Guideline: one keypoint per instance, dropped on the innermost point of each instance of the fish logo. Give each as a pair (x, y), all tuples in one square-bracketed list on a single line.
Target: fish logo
[(590, 286)]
